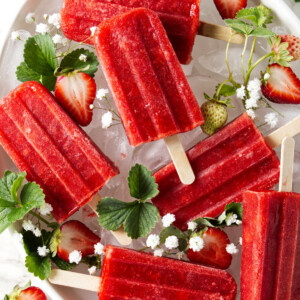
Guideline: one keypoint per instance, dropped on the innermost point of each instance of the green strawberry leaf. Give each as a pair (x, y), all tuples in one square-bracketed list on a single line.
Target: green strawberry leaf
[(226, 90), (62, 264), (49, 82), (262, 32), (141, 183), (31, 242), (239, 26), (172, 230), (24, 73), (251, 14), (39, 266), (235, 208), (55, 241)]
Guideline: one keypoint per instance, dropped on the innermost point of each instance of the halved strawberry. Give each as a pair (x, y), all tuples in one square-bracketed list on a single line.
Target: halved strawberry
[(214, 252), (283, 86), (229, 8), (294, 45), (75, 93), (32, 293), (76, 236)]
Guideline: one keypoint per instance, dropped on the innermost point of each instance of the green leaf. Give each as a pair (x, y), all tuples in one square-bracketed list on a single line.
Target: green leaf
[(31, 242), (39, 266), (39, 54), (141, 220), (172, 230), (16, 185), (252, 14), (226, 90), (24, 73), (49, 82), (262, 32), (239, 26), (71, 62), (141, 183), (62, 264), (236, 208), (55, 241)]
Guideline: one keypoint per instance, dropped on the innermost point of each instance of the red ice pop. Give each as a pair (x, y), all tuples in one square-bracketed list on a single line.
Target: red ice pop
[(129, 274), (42, 140)]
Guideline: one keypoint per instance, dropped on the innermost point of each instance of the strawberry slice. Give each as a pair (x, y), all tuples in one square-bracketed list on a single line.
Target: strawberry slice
[(229, 8), (283, 86), (294, 45), (214, 253), (76, 236), (75, 93), (32, 293)]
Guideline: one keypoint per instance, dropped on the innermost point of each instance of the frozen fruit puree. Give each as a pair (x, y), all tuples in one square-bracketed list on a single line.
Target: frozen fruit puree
[(150, 90), (42, 140), (235, 159), (179, 17), (271, 246), (129, 274)]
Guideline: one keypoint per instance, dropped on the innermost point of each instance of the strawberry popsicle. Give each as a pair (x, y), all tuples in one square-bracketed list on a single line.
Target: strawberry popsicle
[(235, 159), (179, 17), (42, 140)]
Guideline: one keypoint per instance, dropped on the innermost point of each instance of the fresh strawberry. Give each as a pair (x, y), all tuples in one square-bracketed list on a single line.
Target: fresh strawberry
[(76, 236), (283, 86), (32, 293), (75, 93), (229, 8), (214, 252), (294, 45)]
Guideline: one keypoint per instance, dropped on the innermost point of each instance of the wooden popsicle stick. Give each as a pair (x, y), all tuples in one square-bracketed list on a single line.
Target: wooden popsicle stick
[(218, 32), (119, 234), (180, 160), (287, 165), (288, 130), (74, 280)]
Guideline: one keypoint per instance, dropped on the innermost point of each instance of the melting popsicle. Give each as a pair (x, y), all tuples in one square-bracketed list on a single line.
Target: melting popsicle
[(42, 140), (129, 274)]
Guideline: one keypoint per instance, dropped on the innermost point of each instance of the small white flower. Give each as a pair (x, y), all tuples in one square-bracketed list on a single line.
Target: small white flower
[(254, 85), (251, 113), (15, 35), (255, 95), (54, 19), (251, 103), (271, 119), (93, 29), (231, 219), (27, 225), (168, 219), (172, 242), (30, 18), (57, 39), (231, 249), (92, 270), (64, 41), (107, 119), (180, 255), (46, 209), (37, 232), (42, 28), (238, 222), (241, 92), (101, 93), (196, 243), (75, 257), (46, 16), (92, 106), (158, 252), (241, 241), (192, 225), (43, 251), (82, 57), (153, 241), (267, 76), (99, 249)]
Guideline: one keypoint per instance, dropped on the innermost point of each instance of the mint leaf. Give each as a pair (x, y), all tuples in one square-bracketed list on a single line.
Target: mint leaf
[(239, 26), (262, 32), (141, 183), (62, 264), (141, 220), (172, 230), (71, 62), (39, 266), (24, 73), (39, 54)]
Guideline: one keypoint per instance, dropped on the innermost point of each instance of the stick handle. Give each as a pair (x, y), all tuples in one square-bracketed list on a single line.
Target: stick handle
[(74, 280), (290, 129), (180, 160), (218, 32), (287, 165), (119, 234)]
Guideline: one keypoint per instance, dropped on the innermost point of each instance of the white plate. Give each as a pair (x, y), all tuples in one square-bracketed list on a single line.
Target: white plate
[(208, 69)]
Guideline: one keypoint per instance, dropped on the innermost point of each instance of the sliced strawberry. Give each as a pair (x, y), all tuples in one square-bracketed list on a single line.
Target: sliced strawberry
[(76, 236), (214, 252), (75, 93), (32, 293), (294, 45), (283, 86), (229, 8)]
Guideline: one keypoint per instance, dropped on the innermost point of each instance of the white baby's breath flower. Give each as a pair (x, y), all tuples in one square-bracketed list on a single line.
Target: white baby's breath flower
[(15, 35), (196, 243), (267, 76), (37, 232), (99, 249), (93, 29), (92, 106), (107, 119), (46, 209), (101, 93), (82, 57), (65, 41), (172, 242), (251, 113), (168, 219), (54, 19), (92, 270), (192, 225), (30, 18), (271, 119), (57, 39), (241, 241), (75, 257), (231, 219), (180, 255), (231, 249), (254, 85), (27, 225), (251, 103), (238, 222), (255, 95), (241, 92), (153, 241), (42, 28), (43, 251), (158, 252), (46, 16)]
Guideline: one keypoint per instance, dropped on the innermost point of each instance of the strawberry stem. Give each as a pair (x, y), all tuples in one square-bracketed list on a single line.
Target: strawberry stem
[(251, 53), (243, 54), (39, 217)]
